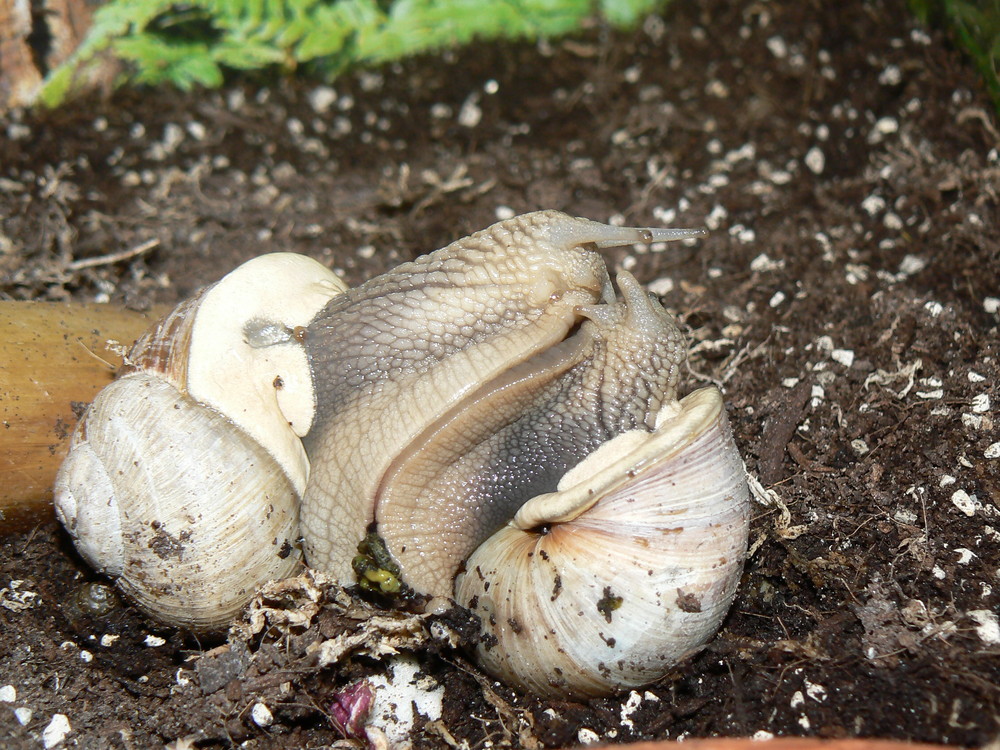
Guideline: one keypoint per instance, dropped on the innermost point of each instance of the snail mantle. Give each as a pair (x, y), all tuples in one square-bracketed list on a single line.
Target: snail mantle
[(497, 423)]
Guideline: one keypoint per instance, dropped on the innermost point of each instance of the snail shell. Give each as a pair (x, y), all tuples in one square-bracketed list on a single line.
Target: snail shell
[(629, 567), (183, 478)]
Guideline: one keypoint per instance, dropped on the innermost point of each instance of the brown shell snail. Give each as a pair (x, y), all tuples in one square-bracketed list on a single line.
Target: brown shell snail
[(508, 425)]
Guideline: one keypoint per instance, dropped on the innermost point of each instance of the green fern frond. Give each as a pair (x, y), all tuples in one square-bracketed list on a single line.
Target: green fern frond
[(193, 42)]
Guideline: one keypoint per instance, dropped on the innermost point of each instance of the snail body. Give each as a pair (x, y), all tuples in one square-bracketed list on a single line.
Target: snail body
[(509, 430)]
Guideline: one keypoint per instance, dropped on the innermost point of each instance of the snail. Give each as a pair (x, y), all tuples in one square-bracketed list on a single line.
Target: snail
[(183, 478), (504, 431)]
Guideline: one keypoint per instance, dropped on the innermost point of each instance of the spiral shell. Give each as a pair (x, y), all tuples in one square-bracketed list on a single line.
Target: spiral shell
[(184, 476), (623, 571)]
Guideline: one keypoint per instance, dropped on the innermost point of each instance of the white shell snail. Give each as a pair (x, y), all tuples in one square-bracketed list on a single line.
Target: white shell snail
[(511, 431), (184, 476)]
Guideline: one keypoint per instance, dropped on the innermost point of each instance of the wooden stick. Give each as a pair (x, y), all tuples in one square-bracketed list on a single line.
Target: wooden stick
[(53, 360)]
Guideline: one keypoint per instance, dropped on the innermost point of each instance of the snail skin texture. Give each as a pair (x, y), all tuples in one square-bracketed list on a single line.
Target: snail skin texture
[(506, 419)]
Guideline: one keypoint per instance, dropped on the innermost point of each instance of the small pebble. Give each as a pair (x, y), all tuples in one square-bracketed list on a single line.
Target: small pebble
[(56, 731), (814, 691), (815, 160), (8, 694), (153, 641), (764, 263), (777, 299), (892, 221), (321, 99), (843, 356), (964, 502), (934, 308), (661, 286), (891, 76), (587, 736), (911, 264), (873, 204), (261, 715), (988, 627), (993, 451), (23, 715), (778, 47), (471, 113)]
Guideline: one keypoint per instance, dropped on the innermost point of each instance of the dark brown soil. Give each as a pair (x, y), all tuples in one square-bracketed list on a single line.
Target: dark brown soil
[(847, 301)]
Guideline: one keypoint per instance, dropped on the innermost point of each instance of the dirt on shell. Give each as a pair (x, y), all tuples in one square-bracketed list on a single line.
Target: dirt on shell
[(847, 301)]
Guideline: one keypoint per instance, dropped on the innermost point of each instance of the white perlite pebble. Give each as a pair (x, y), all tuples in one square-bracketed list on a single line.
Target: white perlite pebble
[(911, 264), (154, 641), (777, 299), (778, 47), (797, 699), (400, 696), (763, 262), (261, 715), (23, 715), (873, 204), (934, 308), (587, 736), (988, 626), (964, 502), (321, 99), (815, 160), (991, 304), (965, 555), (981, 403), (890, 76), (56, 731), (661, 286), (815, 691), (993, 451), (762, 735), (471, 113), (8, 694), (629, 707), (843, 356)]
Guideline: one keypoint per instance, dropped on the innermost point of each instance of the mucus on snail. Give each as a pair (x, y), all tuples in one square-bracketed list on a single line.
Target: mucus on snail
[(505, 421)]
